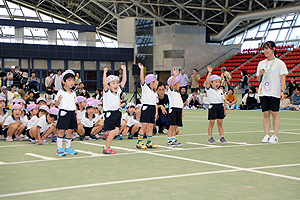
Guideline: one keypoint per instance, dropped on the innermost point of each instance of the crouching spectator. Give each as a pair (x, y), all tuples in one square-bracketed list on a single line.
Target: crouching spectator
[(295, 99), (250, 100), (133, 125), (194, 99), (285, 102), (230, 100)]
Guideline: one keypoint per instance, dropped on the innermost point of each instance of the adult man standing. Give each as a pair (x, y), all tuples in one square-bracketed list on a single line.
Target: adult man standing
[(17, 76), (9, 76), (195, 80), (33, 77), (56, 80), (184, 79), (225, 78)]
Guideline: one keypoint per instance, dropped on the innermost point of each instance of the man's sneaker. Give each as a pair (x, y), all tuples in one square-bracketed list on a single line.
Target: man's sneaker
[(70, 151), (92, 137), (130, 136), (105, 135), (9, 139), (177, 144), (273, 139), (120, 137), (108, 150), (81, 138), (266, 139), (18, 138), (140, 145), (211, 140), (170, 144), (60, 152), (222, 140), (152, 146)]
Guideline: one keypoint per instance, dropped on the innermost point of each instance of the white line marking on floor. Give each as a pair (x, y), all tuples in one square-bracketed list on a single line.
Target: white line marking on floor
[(276, 166), (2, 163), (89, 152), (243, 143), (289, 133), (39, 156), (200, 144), (166, 147)]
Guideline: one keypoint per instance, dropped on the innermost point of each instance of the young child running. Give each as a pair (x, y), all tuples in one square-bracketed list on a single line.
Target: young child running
[(111, 105), (217, 110), (65, 100), (175, 111), (149, 110)]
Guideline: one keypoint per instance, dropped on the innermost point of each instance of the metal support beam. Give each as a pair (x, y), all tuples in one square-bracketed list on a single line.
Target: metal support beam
[(106, 9)]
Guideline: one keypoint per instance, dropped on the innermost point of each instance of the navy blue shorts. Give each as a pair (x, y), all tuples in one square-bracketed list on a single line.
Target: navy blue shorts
[(112, 120), (216, 112), (66, 120), (269, 103), (148, 114), (175, 117)]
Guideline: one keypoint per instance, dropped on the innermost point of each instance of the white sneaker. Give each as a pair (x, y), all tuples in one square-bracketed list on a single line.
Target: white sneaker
[(273, 140), (266, 139)]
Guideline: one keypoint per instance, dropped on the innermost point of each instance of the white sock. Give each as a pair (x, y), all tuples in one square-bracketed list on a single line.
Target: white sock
[(68, 142), (59, 142)]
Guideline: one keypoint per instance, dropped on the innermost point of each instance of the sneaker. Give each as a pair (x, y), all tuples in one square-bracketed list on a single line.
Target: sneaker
[(70, 151), (60, 152), (18, 138), (161, 132), (154, 130), (81, 138), (97, 136), (54, 139), (2, 137), (9, 139), (266, 139), (102, 132), (170, 144), (211, 140), (31, 140), (105, 135), (120, 137), (177, 144), (108, 151), (222, 140), (273, 139), (140, 145), (26, 137), (152, 146), (130, 136), (92, 137)]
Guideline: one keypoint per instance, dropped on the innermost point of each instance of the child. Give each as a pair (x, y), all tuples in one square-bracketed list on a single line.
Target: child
[(100, 117), (3, 115), (12, 124), (111, 102), (81, 104), (133, 125), (65, 100), (51, 104), (30, 99), (149, 110), (43, 126), (217, 105), (285, 102), (88, 121), (175, 111), (24, 117), (41, 101), (35, 113), (125, 117)]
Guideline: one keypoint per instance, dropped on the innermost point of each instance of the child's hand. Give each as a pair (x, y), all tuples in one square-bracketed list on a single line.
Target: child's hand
[(209, 68), (123, 67), (105, 70), (175, 72), (60, 97), (141, 66)]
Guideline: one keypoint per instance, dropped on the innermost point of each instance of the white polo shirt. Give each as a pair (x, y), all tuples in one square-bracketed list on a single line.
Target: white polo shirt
[(149, 97), (3, 117), (24, 120), (272, 75), (111, 101), (100, 117), (132, 121), (68, 101), (31, 122), (89, 123), (80, 114), (42, 124), (215, 96), (10, 120), (125, 116), (174, 99)]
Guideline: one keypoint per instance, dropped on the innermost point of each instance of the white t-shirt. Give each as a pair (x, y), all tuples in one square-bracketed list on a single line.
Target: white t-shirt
[(132, 121), (174, 99), (100, 117), (89, 123), (57, 82), (31, 122), (24, 120), (126, 116), (68, 101), (10, 120), (42, 124), (215, 96), (149, 97), (271, 75), (10, 97), (3, 117), (80, 114), (111, 101)]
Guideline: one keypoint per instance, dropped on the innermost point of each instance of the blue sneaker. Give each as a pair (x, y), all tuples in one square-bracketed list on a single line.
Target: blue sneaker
[(130, 136), (54, 139), (60, 152), (119, 137), (70, 151)]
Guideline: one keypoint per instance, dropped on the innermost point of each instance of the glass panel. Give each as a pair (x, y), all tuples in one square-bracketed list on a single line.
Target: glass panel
[(24, 63), (260, 34), (90, 75), (289, 17), (295, 34), (91, 85), (278, 19), (287, 24), (282, 34), (91, 65), (58, 64), (45, 18), (252, 32), (28, 13), (40, 64), (38, 32), (3, 11), (272, 35), (143, 27), (229, 42), (238, 39), (105, 64), (74, 64), (251, 44), (8, 30), (263, 26), (144, 45), (146, 60), (276, 25), (8, 62), (118, 65), (297, 23)]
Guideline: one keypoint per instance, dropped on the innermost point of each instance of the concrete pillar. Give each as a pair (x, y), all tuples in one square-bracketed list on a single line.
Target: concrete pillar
[(52, 37), (19, 35), (87, 39)]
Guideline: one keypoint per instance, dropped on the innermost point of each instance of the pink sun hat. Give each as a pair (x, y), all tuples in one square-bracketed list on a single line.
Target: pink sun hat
[(30, 107), (16, 106), (150, 78), (89, 100), (170, 80), (80, 99), (111, 78), (67, 72), (214, 77)]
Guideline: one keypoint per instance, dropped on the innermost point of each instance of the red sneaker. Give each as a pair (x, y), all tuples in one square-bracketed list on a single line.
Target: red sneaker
[(106, 134), (108, 151)]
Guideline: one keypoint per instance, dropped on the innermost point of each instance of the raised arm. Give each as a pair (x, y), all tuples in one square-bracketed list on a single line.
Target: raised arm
[(105, 86), (175, 72), (142, 78), (124, 79), (209, 68)]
